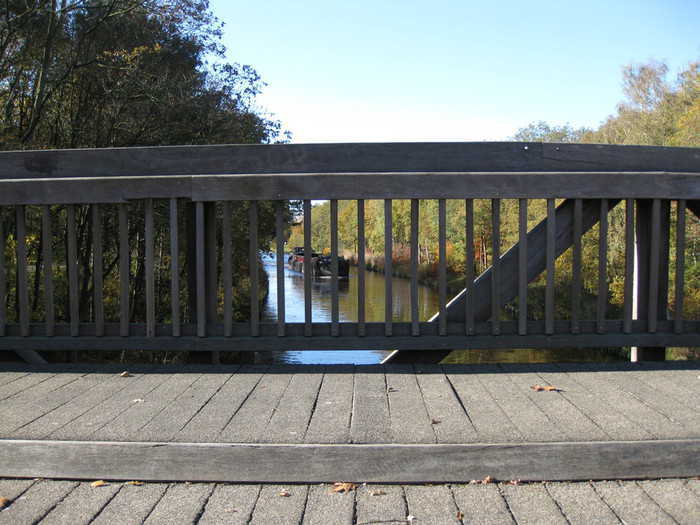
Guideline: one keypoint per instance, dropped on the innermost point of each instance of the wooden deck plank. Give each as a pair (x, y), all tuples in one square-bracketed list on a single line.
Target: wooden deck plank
[(523, 412), (181, 504), (208, 423), (127, 424), (408, 415), (580, 503), (675, 498), (175, 416), (84, 426), (433, 505), (628, 405), (231, 504), (679, 408), (249, 423), (370, 410), (487, 416), (81, 505), (14, 488), (107, 385), (9, 377), (291, 417), (449, 420), (131, 505), (482, 504), (388, 463), (631, 504), (22, 409), (605, 415), (669, 407), (330, 421), (36, 502), (574, 423), (44, 388), (684, 389), (325, 507), (15, 388), (532, 504), (380, 503), (273, 508)]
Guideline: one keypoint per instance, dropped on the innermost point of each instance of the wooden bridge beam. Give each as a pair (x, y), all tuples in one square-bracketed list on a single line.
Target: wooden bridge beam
[(508, 272), (651, 270)]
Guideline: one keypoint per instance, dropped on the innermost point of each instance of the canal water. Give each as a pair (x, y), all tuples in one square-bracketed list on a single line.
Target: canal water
[(347, 301), (374, 312)]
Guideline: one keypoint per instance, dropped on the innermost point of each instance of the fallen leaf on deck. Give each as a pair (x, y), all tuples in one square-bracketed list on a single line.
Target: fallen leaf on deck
[(435, 421), (378, 492), (134, 483), (460, 515), (99, 483), (343, 486), (285, 493), (545, 388), (4, 502), (125, 374), (488, 479)]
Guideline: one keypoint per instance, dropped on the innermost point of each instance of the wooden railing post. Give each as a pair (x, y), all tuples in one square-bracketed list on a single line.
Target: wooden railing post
[(651, 271), (211, 263)]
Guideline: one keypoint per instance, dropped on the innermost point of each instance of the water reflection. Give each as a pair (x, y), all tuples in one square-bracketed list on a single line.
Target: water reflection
[(347, 302)]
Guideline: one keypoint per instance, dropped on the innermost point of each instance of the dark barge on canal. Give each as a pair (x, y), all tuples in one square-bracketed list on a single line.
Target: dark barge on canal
[(320, 264)]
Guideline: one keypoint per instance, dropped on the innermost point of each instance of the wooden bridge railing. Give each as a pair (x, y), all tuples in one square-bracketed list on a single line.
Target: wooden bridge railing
[(586, 181)]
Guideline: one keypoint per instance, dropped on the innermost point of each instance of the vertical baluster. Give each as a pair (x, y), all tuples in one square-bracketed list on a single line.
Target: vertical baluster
[(253, 264), (415, 320), (3, 278), (680, 267), (211, 277), (334, 269), (124, 270), (654, 265), (227, 277), (522, 266), (47, 254), (602, 305), (279, 235), (150, 270), (442, 268), (22, 291), (201, 270), (72, 264), (629, 266), (495, 265), (549, 287), (97, 270), (308, 319), (469, 240), (174, 269), (361, 269), (576, 268), (388, 270)]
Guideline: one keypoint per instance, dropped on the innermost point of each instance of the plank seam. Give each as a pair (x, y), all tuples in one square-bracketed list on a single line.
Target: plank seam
[(206, 402)]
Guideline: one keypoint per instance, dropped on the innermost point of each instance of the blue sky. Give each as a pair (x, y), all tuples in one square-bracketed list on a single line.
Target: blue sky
[(388, 70)]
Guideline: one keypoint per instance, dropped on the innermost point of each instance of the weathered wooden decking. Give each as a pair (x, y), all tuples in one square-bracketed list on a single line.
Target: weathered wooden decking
[(670, 502), (380, 424)]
